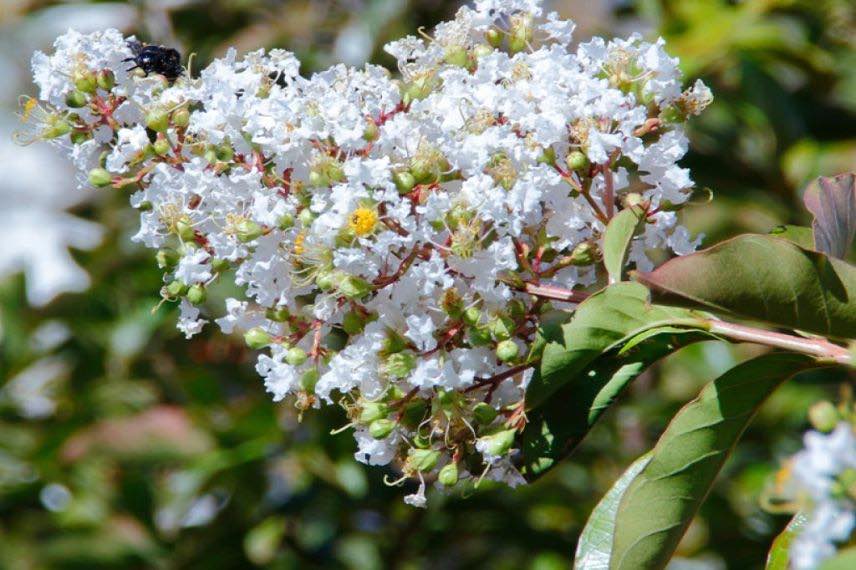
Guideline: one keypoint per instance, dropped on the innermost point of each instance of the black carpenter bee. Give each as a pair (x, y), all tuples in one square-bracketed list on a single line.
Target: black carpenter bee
[(156, 59)]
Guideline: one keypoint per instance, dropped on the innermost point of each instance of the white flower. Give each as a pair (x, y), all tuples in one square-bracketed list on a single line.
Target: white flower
[(384, 230)]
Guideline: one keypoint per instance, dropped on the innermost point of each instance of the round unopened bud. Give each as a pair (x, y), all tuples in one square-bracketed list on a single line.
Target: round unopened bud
[(421, 460), (257, 338), (309, 380), (584, 254), (371, 132), (484, 413), (456, 55), (84, 80), (373, 411), (176, 288), (105, 79), (317, 179), (507, 350), (380, 429), (157, 120), (823, 416), (576, 160), (167, 258), (354, 287), (248, 230), (497, 444), (295, 356), (161, 146), (76, 99), (493, 37), (400, 364), (100, 177), (404, 181), (196, 294), (448, 475), (181, 117)]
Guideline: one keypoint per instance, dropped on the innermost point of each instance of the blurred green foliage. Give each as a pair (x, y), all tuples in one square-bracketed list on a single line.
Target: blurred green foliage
[(150, 451)]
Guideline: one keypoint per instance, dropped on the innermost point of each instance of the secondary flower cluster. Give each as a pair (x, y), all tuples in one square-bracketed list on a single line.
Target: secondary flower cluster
[(397, 239), (820, 483)]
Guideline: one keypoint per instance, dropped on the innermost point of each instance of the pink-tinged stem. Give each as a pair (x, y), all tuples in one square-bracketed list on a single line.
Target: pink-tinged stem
[(556, 293), (814, 346)]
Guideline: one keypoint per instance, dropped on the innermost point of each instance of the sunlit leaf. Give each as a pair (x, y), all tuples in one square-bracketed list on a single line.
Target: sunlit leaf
[(660, 502), (764, 278)]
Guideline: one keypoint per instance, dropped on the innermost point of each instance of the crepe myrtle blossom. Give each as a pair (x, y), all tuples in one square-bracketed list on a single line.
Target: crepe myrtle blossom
[(392, 233), (820, 482)]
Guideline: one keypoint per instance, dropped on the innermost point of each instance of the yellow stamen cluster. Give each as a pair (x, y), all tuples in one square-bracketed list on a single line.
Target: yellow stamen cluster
[(363, 221)]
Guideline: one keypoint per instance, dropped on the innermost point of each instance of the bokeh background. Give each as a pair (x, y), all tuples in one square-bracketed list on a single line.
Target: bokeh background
[(124, 446)]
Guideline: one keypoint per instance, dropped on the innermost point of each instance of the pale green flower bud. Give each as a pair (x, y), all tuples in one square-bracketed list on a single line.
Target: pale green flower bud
[(257, 338), (497, 444), (373, 411), (823, 416), (507, 350), (295, 356), (380, 429), (421, 460), (196, 294), (576, 160), (100, 177), (76, 99), (157, 120), (248, 230), (448, 476)]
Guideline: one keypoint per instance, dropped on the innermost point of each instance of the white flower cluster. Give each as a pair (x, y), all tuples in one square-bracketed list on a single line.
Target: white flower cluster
[(391, 235), (824, 475)]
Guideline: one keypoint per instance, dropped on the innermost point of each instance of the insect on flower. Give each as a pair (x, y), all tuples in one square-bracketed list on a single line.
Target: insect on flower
[(156, 59)]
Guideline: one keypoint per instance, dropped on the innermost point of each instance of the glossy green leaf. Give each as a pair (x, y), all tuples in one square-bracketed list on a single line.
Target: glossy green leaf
[(660, 502), (616, 241), (764, 278), (594, 548), (779, 557), (557, 426), (599, 322)]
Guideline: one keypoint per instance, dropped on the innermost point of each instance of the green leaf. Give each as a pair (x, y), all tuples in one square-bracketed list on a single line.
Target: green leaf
[(616, 241), (800, 235), (832, 200), (594, 548), (660, 502), (602, 320), (763, 278), (779, 557), (844, 560), (557, 426)]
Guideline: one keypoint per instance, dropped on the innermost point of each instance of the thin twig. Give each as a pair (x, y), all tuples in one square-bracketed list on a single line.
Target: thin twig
[(819, 347)]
